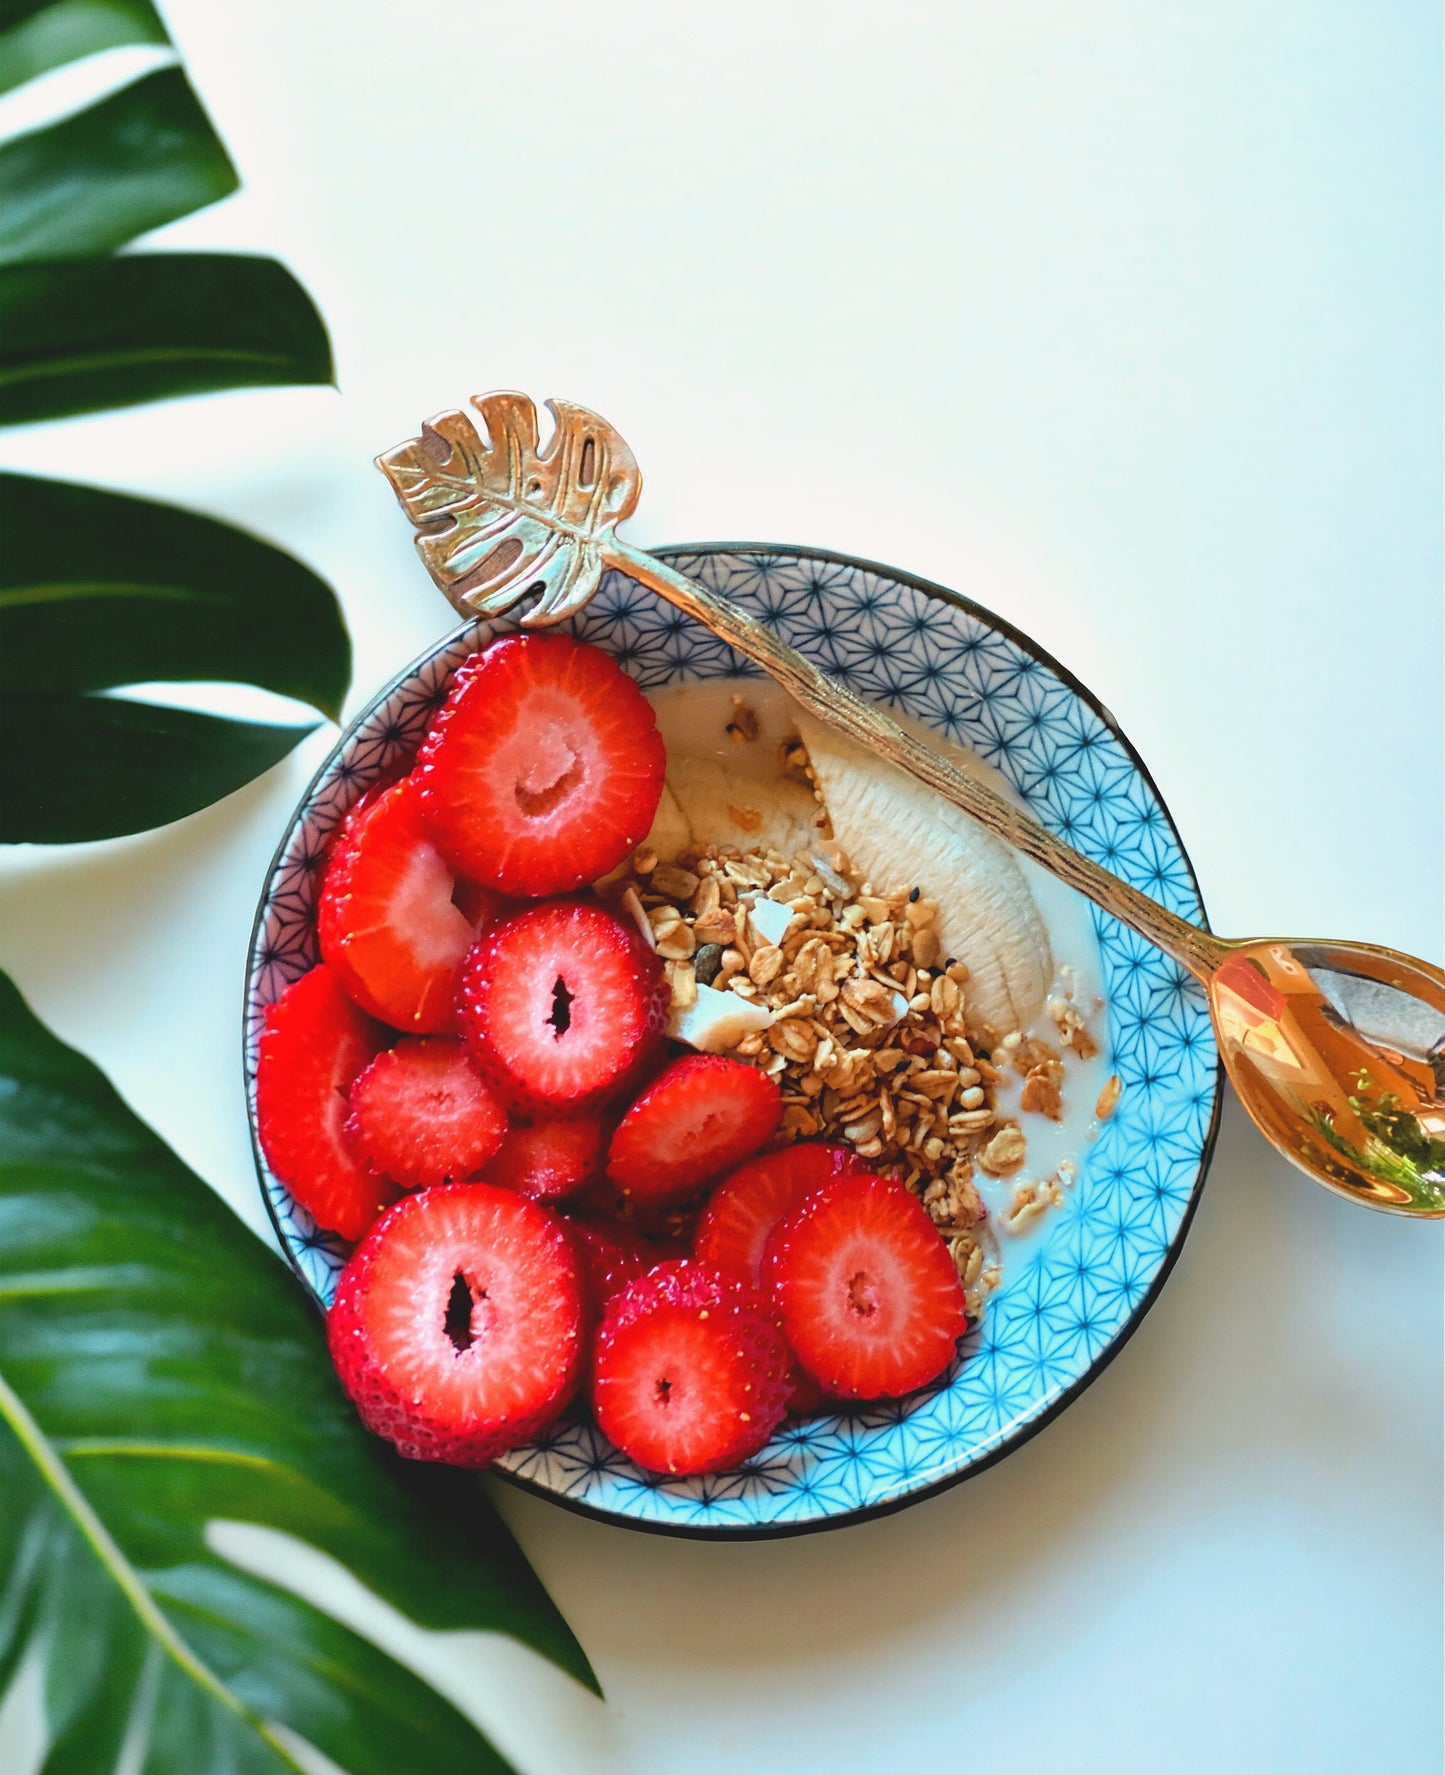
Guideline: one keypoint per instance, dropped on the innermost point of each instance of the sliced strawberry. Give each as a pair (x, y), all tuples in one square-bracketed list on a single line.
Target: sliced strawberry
[(421, 1113), (478, 905), (387, 778), (613, 1256), (457, 1324), (689, 1372), (389, 919), (700, 1117), (741, 1213), (563, 1005), (865, 1288), (545, 1159), (671, 1222), (314, 1045), (745, 1207), (544, 768), (807, 1397)]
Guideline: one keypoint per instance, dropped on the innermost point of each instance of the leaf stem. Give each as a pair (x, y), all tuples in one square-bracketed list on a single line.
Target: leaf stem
[(53, 1470)]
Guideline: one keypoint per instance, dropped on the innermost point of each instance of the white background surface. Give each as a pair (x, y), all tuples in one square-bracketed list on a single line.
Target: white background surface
[(1122, 318)]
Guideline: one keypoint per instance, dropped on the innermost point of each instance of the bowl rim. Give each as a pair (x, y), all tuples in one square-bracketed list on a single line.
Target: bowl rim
[(1025, 1432)]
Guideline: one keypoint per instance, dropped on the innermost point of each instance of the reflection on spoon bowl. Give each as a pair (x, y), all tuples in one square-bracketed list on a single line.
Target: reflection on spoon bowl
[(1337, 1050)]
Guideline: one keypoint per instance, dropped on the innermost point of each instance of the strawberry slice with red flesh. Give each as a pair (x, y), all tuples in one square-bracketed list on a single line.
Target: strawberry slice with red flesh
[(562, 1006), (391, 919), (697, 1119), (741, 1213), (457, 1326), (613, 1256), (865, 1289), (689, 1371), (479, 906), (544, 768), (745, 1207), (671, 1223), (314, 1045), (421, 1113), (546, 1159), (807, 1397)]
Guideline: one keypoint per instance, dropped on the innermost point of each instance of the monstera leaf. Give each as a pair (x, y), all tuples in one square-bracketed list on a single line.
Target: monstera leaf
[(37, 35), (102, 591), (97, 591), (81, 334), (81, 330), (501, 518), (143, 156), (159, 1371)]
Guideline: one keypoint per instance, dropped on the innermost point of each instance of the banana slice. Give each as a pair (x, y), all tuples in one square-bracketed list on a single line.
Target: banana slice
[(724, 785), (725, 806), (899, 834), (670, 828)]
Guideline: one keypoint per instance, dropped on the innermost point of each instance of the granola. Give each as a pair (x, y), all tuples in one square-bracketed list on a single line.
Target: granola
[(1034, 1198), (1068, 1019)]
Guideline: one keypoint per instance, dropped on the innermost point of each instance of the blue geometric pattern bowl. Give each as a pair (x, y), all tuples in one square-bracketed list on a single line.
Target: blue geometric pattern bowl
[(1067, 1306)]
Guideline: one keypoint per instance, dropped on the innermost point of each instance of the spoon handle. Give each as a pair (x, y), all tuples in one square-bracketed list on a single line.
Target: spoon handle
[(832, 702)]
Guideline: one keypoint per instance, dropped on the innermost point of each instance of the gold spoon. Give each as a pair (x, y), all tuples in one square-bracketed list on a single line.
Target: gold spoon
[(1337, 1050)]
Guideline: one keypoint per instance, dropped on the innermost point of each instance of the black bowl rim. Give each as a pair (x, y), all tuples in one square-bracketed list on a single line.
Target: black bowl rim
[(1025, 1432)]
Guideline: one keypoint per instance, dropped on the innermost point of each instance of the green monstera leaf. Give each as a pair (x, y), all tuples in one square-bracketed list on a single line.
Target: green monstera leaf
[(141, 157), (97, 591), (80, 334), (160, 1371), (100, 591), (38, 35)]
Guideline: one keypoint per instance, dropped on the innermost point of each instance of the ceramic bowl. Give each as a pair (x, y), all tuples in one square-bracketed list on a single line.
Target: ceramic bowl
[(1066, 1306)]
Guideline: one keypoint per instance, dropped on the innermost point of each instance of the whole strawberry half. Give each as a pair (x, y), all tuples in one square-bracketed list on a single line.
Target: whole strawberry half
[(544, 768), (314, 1045), (562, 1005), (457, 1325), (421, 1113), (545, 1158), (865, 1289), (700, 1117), (393, 920), (689, 1371), (742, 1211)]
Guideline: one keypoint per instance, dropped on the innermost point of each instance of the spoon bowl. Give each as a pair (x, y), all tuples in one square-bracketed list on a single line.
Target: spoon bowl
[(1337, 1051)]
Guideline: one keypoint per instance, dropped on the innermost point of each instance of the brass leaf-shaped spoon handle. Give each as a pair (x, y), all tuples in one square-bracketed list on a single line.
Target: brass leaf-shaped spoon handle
[(1357, 1101)]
